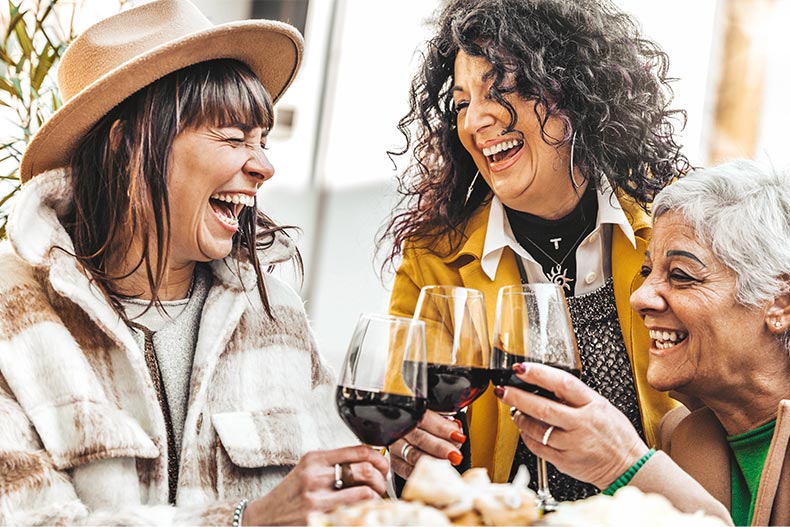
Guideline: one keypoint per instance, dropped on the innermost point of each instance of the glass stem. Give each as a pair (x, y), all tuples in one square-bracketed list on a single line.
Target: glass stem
[(546, 501)]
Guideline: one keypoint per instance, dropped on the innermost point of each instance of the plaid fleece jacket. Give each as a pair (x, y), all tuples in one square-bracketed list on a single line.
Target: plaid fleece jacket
[(82, 434)]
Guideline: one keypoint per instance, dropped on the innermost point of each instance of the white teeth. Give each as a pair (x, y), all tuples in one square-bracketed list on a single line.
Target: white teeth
[(244, 199), (667, 339), (505, 145)]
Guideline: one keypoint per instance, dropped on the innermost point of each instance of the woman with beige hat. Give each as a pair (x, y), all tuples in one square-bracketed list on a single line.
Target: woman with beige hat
[(151, 370)]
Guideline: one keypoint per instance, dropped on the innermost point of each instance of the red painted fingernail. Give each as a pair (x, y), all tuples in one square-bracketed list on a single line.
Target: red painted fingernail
[(519, 367), (458, 437), (455, 458), (499, 391)]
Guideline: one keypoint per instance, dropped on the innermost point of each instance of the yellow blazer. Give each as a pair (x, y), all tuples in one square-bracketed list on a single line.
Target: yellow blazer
[(493, 435)]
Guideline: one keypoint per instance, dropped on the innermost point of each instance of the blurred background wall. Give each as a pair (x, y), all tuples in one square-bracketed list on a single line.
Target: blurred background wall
[(333, 176)]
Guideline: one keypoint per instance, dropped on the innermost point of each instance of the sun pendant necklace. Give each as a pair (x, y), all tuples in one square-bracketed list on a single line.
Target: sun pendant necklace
[(559, 274)]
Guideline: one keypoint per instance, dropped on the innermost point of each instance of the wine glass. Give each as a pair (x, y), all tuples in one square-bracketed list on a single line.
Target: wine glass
[(533, 324), (381, 394), (457, 343)]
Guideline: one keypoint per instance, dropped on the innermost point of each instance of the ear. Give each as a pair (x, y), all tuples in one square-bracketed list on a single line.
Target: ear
[(777, 316)]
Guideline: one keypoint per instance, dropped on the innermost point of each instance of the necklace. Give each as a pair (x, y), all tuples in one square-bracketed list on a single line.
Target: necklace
[(558, 274)]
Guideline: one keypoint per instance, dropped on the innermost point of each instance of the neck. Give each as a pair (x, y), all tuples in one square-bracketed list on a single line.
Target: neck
[(752, 402), (176, 282), (559, 203)]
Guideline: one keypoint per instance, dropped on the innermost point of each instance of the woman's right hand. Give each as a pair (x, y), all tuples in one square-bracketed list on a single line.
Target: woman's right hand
[(435, 436), (309, 487)]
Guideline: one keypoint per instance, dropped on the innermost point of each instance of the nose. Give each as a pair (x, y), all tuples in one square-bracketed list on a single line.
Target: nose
[(648, 298), (478, 115), (258, 166)]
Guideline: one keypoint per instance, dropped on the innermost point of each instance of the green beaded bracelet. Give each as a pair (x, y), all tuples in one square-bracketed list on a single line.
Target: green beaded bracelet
[(237, 514), (625, 479)]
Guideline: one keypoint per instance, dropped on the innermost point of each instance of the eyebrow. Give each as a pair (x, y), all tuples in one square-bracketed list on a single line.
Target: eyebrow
[(686, 254)]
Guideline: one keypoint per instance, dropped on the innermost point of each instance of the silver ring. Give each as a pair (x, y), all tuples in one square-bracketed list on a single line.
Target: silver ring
[(547, 434), (514, 412), (404, 451), (338, 477)]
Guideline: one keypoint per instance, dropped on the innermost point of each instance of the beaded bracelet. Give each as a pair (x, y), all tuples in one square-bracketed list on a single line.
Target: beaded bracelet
[(626, 478), (239, 512)]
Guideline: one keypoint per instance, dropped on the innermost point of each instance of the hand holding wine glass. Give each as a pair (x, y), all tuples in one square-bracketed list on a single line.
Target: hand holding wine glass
[(533, 325)]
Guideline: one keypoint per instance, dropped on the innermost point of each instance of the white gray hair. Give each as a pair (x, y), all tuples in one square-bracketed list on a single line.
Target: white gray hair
[(741, 209)]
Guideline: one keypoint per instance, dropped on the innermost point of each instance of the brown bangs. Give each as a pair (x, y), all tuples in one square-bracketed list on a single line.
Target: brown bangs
[(227, 94)]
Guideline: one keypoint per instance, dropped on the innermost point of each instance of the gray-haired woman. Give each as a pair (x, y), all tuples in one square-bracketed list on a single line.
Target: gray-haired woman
[(716, 299)]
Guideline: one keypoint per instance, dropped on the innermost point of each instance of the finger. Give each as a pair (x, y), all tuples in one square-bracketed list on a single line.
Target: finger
[(405, 451), (433, 446), (535, 430), (441, 426), (357, 454), (538, 407), (351, 495), (565, 386), (401, 467), (366, 474)]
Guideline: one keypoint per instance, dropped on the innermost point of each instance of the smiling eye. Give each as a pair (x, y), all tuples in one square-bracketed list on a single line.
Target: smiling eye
[(645, 271), (458, 106)]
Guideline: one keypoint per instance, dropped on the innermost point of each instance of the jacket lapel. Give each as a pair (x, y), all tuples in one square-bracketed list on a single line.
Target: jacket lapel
[(772, 505)]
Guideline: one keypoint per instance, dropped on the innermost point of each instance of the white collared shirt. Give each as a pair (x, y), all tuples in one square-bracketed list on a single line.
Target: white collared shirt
[(593, 257)]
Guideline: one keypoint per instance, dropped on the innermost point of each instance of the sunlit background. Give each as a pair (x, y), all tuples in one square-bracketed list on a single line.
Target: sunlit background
[(333, 176)]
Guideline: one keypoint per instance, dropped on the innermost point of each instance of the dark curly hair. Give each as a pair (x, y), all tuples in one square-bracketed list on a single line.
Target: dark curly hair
[(582, 61)]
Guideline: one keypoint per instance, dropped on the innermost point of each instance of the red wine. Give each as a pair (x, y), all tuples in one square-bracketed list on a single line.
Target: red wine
[(502, 373), (378, 418), (451, 387)]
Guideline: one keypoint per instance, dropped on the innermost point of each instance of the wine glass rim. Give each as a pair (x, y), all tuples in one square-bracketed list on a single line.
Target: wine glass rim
[(448, 290), (391, 318)]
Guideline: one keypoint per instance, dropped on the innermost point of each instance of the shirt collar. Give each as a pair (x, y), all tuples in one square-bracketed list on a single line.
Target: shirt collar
[(499, 234)]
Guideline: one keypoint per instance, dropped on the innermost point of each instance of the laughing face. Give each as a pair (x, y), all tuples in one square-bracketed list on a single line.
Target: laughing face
[(702, 338), (214, 174), (524, 171)]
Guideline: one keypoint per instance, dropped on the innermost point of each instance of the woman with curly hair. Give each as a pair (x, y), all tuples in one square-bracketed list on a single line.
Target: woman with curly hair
[(539, 132)]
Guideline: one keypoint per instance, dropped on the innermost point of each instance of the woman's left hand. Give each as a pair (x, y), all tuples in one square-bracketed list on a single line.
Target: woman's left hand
[(583, 435)]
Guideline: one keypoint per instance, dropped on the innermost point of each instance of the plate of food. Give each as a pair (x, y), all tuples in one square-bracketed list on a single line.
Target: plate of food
[(436, 494)]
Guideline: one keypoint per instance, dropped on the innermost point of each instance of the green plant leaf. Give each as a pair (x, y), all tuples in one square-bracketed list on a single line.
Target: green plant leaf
[(45, 61), (8, 87), (25, 42)]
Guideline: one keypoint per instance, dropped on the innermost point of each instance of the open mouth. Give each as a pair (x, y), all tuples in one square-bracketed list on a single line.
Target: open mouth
[(227, 207), (667, 339), (502, 151)]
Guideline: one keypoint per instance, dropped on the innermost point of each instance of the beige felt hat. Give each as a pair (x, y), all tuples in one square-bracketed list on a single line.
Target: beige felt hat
[(120, 55)]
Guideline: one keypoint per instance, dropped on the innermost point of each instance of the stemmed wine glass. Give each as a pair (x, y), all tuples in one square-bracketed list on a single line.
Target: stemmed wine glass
[(457, 346), (533, 324), (381, 393)]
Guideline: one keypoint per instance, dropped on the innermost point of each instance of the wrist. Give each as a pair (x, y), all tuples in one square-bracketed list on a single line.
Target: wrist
[(625, 477), (238, 513)]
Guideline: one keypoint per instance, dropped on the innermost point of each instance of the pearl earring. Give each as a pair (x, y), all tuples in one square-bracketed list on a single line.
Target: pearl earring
[(777, 324)]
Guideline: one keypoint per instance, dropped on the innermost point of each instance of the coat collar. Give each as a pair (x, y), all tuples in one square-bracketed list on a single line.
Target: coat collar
[(477, 226), (36, 234)]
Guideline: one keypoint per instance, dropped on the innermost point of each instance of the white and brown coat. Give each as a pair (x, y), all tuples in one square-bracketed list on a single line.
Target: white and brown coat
[(82, 435)]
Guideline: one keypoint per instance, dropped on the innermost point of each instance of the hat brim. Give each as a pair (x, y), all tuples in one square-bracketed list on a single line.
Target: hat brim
[(272, 50)]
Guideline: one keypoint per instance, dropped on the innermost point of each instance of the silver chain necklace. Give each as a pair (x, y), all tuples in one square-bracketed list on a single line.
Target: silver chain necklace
[(558, 274)]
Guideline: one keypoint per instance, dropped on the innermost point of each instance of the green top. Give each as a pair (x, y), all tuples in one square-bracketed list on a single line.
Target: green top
[(750, 450)]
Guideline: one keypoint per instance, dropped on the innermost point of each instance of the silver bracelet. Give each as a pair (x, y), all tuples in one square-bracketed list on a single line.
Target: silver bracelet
[(237, 514)]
